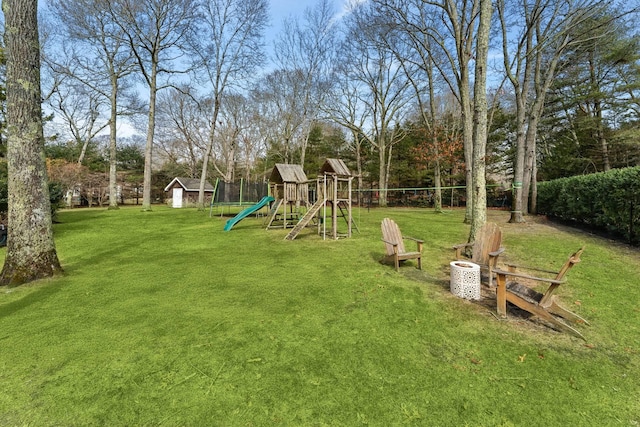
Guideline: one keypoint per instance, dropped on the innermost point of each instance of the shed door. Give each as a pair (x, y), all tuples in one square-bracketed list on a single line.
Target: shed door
[(177, 197)]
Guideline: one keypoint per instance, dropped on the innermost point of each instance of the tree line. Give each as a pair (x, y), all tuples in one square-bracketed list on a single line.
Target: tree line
[(404, 89), (562, 83)]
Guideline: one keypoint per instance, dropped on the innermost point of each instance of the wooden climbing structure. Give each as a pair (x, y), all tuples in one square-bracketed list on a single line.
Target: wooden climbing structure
[(334, 187), (289, 187)]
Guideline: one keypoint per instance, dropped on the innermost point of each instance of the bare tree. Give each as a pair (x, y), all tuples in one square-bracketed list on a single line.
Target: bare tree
[(281, 111), (99, 62), (382, 85), (415, 54), (229, 51), (450, 28), (343, 107), (237, 137), (79, 108), (182, 129), (306, 50), (31, 252), (251, 141), (155, 31)]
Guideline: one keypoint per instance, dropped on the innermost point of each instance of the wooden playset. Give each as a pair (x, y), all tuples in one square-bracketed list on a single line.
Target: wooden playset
[(333, 189)]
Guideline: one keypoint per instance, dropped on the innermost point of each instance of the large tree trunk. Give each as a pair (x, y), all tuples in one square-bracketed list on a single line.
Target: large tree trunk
[(534, 190), (521, 87), (597, 109), (518, 166), (437, 178), (31, 252), (113, 176), (600, 136), (382, 184), (148, 151), (517, 198), (542, 82), (479, 208), (530, 161), (467, 138), (357, 147)]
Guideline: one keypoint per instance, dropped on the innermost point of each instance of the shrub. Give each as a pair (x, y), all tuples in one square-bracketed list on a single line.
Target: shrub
[(608, 201)]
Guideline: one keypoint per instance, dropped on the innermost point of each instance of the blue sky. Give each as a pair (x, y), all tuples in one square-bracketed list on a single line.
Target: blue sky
[(281, 9)]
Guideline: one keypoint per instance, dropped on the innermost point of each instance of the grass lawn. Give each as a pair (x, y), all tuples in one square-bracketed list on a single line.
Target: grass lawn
[(162, 318)]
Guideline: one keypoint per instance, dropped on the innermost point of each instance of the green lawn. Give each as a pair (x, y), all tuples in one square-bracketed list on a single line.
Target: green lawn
[(164, 319)]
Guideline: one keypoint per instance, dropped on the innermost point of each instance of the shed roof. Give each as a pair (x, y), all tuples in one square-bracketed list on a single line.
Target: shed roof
[(283, 172), (190, 184), (336, 166)]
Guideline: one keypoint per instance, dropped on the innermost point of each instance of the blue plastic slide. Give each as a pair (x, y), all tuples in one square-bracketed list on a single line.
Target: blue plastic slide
[(245, 213)]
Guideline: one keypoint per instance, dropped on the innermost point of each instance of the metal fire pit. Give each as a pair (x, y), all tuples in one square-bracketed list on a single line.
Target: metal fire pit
[(465, 280)]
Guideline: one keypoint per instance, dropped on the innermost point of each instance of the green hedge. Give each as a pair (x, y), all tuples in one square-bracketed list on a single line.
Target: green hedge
[(608, 201)]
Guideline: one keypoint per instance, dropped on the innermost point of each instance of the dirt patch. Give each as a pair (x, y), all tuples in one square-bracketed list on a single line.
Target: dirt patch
[(541, 225)]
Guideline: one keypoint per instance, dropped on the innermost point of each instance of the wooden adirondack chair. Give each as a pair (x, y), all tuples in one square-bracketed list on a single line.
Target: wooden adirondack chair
[(394, 245), (486, 248), (536, 303)]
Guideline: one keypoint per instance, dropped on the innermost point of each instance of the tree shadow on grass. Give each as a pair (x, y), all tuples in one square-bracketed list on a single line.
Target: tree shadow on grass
[(44, 290)]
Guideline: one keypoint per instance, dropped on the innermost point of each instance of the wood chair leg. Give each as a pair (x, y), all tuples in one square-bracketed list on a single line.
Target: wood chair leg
[(501, 295), (544, 314), (536, 310), (564, 313)]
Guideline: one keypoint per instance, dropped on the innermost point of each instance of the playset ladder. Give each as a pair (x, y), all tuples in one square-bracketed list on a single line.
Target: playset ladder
[(273, 212), (304, 221), (342, 206)]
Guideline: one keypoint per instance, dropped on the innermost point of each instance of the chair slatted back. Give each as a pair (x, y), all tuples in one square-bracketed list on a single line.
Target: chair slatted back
[(391, 233), (488, 239), (573, 260)]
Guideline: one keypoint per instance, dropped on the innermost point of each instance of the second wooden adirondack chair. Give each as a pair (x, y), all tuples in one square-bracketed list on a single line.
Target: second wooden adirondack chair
[(394, 244), (486, 249), (542, 305)]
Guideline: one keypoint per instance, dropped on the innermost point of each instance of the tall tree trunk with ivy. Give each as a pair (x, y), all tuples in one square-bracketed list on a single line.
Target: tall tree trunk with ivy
[(31, 252)]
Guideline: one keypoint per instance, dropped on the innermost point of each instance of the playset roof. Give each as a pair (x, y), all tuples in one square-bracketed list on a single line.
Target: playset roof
[(287, 173), (336, 166)]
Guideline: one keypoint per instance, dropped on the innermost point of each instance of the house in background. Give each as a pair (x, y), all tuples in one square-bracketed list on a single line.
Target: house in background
[(183, 192)]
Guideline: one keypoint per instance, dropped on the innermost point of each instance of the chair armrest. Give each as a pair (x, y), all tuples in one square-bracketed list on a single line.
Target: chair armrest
[(413, 238), (389, 242), (527, 276), (526, 267), (462, 245), (395, 246), (419, 242), (496, 253)]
